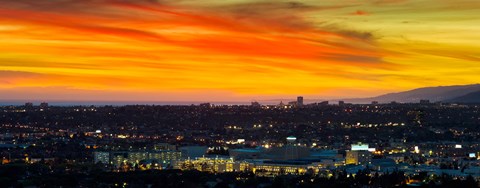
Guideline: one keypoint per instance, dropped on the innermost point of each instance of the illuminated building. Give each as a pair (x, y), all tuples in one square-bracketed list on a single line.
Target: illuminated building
[(246, 153), (329, 163), (136, 157), (472, 155), (101, 156), (165, 146), (260, 168), (193, 151), (358, 157), (280, 168), (359, 147), (291, 151), (117, 158), (214, 165)]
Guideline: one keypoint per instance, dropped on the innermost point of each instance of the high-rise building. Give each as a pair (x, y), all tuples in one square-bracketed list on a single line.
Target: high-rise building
[(28, 105), (291, 150), (299, 101)]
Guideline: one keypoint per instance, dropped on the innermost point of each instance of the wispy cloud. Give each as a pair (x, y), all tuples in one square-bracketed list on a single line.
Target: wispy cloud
[(240, 47), (254, 29)]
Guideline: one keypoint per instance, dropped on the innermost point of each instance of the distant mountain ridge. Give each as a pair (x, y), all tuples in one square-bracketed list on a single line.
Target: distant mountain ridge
[(468, 98), (457, 93)]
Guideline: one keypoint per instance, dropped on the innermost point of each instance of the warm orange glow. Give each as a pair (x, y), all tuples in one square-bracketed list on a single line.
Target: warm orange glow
[(235, 50)]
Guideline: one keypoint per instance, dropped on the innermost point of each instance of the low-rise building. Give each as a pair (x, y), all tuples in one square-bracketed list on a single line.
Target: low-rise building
[(117, 158), (358, 157)]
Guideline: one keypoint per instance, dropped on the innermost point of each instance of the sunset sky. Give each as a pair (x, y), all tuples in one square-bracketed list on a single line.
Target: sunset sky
[(233, 50)]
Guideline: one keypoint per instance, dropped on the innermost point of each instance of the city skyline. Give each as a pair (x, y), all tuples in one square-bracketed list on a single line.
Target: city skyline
[(233, 51)]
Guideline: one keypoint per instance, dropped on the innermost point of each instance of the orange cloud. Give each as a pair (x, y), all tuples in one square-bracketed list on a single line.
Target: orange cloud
[(267, 48), (360, 13)]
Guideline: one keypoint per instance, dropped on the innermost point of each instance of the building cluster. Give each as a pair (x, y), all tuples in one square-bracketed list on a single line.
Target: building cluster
[(413, 138), (292, 159), (137, 159)]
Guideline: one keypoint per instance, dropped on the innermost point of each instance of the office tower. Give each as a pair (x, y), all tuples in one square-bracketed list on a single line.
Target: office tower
[(300, 101)]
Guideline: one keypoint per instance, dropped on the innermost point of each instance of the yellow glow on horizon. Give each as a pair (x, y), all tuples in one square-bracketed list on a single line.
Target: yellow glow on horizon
[(237, 49)]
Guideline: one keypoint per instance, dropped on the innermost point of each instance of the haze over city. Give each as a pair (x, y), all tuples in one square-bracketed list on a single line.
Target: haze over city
[(146, 50)]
